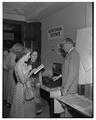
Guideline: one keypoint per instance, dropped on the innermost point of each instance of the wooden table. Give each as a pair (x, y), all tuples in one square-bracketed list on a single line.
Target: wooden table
[(78, 103), (45, 93)]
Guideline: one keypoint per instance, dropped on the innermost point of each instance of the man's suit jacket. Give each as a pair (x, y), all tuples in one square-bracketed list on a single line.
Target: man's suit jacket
[(70, 71)]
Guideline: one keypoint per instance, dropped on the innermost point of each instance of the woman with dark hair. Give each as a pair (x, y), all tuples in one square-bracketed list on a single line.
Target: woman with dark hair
[(36, 82)]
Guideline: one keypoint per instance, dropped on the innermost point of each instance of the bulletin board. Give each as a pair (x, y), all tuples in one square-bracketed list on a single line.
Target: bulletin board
[(84, 47)]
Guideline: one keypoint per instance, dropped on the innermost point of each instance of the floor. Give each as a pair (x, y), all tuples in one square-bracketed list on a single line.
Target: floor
[(44, 114)]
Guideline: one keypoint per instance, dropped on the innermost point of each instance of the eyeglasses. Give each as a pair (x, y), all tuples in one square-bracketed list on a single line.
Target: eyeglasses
[(62, 44)]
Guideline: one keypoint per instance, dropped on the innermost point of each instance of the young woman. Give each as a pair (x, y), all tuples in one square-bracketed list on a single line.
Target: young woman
[(36, 83), (20, 107)]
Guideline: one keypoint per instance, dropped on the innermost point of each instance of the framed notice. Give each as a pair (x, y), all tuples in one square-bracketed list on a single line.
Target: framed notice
[(55, 32)]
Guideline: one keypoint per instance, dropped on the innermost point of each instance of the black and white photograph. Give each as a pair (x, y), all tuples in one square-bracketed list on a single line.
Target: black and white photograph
[(47, 59)]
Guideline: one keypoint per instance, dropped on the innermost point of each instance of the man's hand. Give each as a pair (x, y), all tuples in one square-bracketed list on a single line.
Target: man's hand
[(64, 92), (55, 78)]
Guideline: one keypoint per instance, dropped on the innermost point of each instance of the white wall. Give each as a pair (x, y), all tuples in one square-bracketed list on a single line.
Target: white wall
[(84, 47), (72, 18)]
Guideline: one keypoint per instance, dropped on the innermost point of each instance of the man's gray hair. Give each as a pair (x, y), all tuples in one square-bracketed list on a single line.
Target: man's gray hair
[(70, 41)]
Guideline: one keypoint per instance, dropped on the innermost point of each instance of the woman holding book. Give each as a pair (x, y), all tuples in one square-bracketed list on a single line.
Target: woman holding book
[(23, 105), (36, 82)]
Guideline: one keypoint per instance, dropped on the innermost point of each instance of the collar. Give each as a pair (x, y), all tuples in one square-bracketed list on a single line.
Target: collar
[(70, 50)]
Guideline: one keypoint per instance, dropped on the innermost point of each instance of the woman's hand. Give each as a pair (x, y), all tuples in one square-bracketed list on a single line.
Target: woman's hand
[(29, 67), (34, 70), (28, 84), (64, 92)]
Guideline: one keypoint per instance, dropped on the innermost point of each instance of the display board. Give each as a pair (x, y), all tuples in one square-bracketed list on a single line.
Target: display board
[(84, 47)]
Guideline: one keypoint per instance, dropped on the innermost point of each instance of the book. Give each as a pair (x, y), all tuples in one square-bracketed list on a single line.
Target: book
[(56, 78), (38, 69)]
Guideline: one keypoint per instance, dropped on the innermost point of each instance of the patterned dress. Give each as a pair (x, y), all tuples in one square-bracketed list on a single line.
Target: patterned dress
[(20, 107)]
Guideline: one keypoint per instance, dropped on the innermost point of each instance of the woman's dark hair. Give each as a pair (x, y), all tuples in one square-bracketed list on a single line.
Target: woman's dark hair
[(34, 50), (29, 60)]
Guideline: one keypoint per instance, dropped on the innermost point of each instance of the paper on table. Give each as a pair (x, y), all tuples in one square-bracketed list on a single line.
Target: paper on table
[(58, 107)]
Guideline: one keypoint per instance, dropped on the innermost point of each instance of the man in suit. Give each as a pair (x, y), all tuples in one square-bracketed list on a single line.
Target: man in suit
[(70, 72), (70, 68)]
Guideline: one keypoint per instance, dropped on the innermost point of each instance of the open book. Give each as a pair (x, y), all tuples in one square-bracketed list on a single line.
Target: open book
[(38, 69)]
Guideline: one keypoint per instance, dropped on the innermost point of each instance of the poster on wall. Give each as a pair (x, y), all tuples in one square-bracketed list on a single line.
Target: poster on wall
[(56, 32)]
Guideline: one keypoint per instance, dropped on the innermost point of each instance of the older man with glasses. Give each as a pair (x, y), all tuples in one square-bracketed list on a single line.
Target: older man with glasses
[(70, 68)]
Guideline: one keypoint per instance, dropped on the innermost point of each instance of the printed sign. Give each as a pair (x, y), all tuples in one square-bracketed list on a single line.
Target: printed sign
[(55, 32)]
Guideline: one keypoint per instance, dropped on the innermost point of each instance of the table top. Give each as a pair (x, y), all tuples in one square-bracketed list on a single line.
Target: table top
[(79, 103), (49, 89)]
